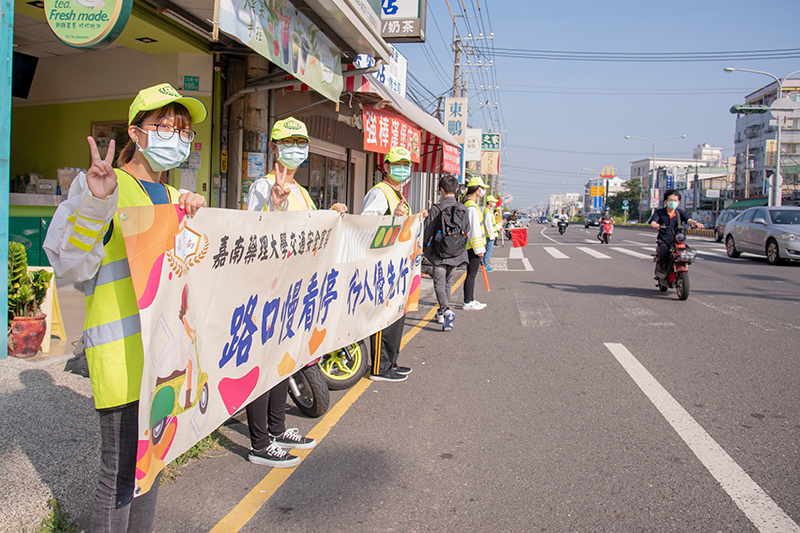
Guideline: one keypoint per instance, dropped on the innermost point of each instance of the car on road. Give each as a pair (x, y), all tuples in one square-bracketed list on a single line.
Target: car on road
[(591, 219), (770, 231), (724, 216), (542, 219)]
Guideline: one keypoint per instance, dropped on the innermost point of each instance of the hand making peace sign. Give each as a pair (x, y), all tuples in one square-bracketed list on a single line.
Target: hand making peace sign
[(280, 191), (101, 178)]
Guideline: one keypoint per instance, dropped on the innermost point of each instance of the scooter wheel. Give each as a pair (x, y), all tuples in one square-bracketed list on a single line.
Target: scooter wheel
[(315, 397)]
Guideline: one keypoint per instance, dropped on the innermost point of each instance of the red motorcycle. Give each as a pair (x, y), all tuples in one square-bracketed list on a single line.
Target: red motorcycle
[(676, 274), (606, 229)]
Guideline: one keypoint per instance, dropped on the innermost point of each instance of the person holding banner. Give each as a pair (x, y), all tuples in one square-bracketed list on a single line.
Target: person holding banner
[(491, 232), (386, 198), (278, 191), (476, 244), (85, 243)]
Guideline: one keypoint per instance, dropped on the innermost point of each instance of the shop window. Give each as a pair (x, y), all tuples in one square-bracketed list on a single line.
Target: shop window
[(326, 180)]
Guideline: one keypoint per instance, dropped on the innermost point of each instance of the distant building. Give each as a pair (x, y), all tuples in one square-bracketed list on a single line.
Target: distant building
[(752, 134)]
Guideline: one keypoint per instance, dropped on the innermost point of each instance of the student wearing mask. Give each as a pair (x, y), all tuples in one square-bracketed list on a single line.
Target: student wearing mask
[(490, 229), (278, 191), (476, 243)]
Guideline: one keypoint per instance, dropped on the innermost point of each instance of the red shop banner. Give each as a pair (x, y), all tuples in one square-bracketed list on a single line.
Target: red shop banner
[(384, 130), (451, 159)]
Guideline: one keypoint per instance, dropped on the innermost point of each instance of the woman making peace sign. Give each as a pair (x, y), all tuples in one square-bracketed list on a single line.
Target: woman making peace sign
[(85, 243)]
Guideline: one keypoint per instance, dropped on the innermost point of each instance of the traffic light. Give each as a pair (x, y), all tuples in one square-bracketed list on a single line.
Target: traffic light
[(749, 109)]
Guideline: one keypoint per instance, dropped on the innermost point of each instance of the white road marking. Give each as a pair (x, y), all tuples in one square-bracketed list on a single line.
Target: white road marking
[(527, 264), (515, 253), (631, 252), (724, 256), (591, 241), (534, 312), (639, 314), (593, 252), (546, 237), (756, 504), (745, 315), (634, 242), (555, 252)]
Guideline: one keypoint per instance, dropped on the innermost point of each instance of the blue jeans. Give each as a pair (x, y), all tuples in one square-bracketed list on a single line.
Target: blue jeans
[(115, 509), (488, 253)]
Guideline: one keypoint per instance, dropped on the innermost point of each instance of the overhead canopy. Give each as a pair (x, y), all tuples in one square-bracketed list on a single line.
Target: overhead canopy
[(748, 202)]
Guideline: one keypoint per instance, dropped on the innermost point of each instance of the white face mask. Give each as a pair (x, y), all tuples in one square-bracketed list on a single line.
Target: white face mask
[(481, 192), (292, 156), (164, 154)]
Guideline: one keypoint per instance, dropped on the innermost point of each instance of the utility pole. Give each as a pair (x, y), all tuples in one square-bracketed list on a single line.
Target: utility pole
[(456, 69)]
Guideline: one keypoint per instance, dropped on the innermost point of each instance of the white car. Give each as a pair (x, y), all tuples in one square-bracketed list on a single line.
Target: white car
[(770, 231)]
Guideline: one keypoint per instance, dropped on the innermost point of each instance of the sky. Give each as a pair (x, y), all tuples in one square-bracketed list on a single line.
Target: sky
[(559, 115)]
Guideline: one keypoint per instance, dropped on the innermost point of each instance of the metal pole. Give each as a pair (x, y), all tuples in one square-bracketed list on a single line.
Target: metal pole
[(456, 74), (6, 52)]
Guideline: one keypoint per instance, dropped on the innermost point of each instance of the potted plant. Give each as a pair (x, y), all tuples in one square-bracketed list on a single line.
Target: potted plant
[(26, 292)]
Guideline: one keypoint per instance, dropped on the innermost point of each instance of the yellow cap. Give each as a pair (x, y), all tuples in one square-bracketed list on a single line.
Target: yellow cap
[(490, 199), (398, 153), (289, 127), (160, 95), (477, 181)]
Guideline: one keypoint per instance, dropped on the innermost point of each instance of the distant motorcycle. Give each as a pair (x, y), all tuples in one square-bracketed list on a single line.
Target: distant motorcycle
[(606, 230), (562, 226), (676, 274)]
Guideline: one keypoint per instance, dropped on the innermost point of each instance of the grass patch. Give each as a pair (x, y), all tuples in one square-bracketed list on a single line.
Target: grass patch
[(214, 441), (57, 521)]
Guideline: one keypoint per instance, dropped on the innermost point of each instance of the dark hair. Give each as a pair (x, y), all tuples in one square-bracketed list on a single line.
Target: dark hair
[(448, 183), (469, 191), (182, 120), (671, 192)]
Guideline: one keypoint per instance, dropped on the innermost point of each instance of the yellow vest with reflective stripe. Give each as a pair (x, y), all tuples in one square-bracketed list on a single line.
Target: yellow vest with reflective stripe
[(468, 204), (295, 204), (491, 230), (391, 197), (112, 332)]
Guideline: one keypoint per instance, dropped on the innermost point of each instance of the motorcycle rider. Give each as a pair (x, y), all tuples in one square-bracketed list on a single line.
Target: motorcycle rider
[(669, 216), (562, 217), (605, 217)]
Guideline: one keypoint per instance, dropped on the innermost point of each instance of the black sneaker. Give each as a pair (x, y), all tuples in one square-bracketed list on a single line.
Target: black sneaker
[(274, 456), (402, 370), (389, 376), (291, 438)]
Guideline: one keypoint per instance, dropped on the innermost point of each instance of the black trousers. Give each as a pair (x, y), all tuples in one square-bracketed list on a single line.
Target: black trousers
[(267, 414), (662, 250), (386, 347), (473, 266)]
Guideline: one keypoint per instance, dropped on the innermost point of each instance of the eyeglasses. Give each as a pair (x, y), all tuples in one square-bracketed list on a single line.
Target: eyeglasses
[(165, 131), (301, 143)]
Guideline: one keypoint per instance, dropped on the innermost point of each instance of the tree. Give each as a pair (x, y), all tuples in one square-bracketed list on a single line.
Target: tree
[(631, 193)]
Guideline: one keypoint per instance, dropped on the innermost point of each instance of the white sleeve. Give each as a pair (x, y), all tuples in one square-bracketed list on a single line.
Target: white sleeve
[(375, 203), (259, 195), (74, 241), (475, 234)]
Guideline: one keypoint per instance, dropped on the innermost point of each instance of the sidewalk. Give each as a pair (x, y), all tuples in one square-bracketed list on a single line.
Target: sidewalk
[(50, 438)]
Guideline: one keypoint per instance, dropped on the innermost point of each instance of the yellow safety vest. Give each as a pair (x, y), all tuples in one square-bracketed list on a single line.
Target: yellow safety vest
[(478, 240), (498, 219), (491, 230), (392, 198), (295, 204), (112, 332)]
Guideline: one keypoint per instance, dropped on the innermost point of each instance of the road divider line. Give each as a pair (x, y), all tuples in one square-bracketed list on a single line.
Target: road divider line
[(631, 253), (527, 264), (515, 253), (555, 252), (756, 504), (547, 237), (236, 519), (593, 252)]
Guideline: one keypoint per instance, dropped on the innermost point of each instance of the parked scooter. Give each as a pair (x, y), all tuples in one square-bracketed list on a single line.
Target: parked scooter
[(342, 368), (606, 230), (309, 391), (676, 274), (562, 226)]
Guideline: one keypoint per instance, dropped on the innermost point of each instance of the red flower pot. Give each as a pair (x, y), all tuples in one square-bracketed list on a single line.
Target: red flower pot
[(27, 334)]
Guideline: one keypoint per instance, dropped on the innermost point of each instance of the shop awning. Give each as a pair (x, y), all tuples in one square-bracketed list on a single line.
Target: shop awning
[(354, 22), (749, 202)]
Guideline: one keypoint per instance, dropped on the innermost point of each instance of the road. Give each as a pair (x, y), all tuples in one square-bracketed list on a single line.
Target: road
[(580, 399)]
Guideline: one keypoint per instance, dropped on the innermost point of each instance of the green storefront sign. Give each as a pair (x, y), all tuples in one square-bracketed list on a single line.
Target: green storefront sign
[(490, 142), (87, 24)]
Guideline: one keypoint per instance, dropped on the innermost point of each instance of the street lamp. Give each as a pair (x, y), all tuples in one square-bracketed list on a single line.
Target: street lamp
[(653, 179), (775, 195)]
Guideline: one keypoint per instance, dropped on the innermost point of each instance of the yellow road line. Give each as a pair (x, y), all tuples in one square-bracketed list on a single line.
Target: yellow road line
[(263, 491)]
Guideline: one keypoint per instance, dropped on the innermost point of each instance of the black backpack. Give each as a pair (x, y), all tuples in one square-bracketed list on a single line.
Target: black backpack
[(452, 229)]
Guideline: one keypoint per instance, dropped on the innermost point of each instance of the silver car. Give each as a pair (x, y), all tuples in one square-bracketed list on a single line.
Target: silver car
[(770, 231)]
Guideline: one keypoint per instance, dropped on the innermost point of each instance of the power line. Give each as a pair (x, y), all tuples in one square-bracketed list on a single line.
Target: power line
[(647, 57)]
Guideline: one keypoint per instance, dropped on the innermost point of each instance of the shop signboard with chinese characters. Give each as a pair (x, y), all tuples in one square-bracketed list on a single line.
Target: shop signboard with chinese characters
[(384, 130), (403, 21), (490, 142), (451, 159), (260, 296), (87, 24), (490, 163), (472, 145), (455, 117), (771, 153), (393, 74), (282, 34)]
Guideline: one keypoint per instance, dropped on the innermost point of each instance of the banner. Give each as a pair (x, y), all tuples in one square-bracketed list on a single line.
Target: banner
[(490, 163), (771, 153), (233, 302), (384, 130), (451, 159), (472, 145), (393, 74), (455, 117), (277, 31)]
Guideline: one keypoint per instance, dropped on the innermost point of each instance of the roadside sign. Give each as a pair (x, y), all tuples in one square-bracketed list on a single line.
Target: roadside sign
[(625, 208), (625, 202)]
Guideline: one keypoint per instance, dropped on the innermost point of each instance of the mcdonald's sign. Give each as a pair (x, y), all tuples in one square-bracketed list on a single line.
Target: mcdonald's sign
[(608, 172)]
